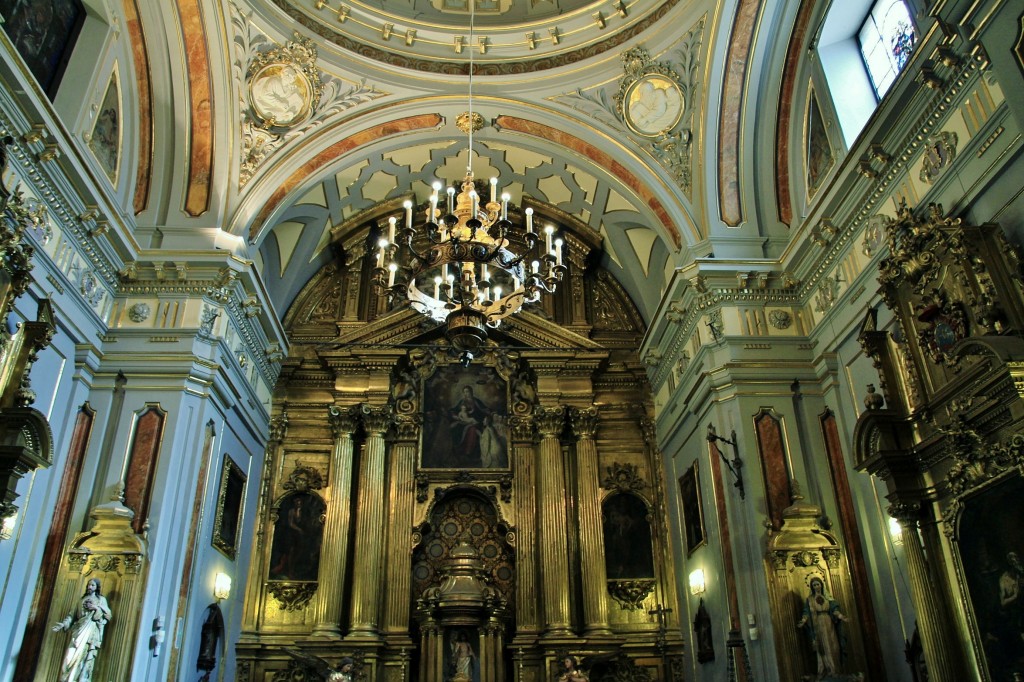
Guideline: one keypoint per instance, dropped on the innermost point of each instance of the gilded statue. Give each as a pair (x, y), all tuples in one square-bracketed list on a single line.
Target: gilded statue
[(570, 671)]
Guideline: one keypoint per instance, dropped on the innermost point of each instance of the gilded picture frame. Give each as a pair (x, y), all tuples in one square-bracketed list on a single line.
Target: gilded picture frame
[(465, 419), (693, 512), (990, 564), (230, 503)]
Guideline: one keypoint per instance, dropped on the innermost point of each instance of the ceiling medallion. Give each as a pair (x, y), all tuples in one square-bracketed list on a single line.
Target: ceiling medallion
[(650, 99), (284, 84), (467, 266)]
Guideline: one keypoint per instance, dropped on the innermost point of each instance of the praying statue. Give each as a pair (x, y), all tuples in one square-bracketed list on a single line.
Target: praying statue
[(86, 626), (823, 621)]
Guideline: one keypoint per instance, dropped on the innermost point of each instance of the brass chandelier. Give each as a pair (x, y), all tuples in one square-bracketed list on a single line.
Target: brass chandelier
[(466, 265)]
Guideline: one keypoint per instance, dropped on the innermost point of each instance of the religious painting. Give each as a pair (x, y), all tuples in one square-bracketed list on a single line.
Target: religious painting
[(105, 139), (227, 521), (44, 34), (465, 419), (992, 559), (693, 514), (298, 534), (628, 551), (819, 158), (461, 655)]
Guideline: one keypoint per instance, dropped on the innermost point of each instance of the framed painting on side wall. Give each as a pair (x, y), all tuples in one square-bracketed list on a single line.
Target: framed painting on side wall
[(693, 514), (229, 508)]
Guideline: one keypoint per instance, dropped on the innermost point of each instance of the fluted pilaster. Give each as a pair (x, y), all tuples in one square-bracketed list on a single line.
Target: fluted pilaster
[(367, 579), (595, 605), (334, 558), (401, 495), (931, 622), (258, 568), (524, 491), (554, 560)]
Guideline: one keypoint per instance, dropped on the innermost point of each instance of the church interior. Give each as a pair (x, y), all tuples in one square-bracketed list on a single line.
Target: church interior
[(511, 341)]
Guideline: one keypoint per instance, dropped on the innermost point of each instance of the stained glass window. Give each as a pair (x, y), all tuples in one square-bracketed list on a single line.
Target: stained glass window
[(886, 39)]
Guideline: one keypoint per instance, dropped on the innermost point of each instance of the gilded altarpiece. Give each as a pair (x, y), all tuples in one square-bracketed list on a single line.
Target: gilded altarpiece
[(947, 442), (436, 520)]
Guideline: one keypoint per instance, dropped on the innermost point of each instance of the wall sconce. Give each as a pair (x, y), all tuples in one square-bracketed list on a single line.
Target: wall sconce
[(697, 586), (895, 531), (222, 586), (7, 527)]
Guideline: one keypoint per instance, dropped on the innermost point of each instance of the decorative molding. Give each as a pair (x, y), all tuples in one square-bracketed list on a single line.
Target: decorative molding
[(291, 596), (303, 479), (623, 478), (630, 594)]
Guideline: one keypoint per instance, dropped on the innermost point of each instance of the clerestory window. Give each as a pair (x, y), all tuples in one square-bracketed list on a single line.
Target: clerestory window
[(886, 40)]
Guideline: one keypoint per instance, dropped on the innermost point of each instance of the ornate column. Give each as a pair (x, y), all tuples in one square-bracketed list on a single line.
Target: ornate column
[(931, 620), (588, 496), (524, 492), (554, 558), (401, 496), (264, 527), (369, 542), (327, 608)]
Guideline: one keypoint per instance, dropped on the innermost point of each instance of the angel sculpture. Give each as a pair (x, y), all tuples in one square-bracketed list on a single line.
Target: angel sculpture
[(570, 671), (345, 672)]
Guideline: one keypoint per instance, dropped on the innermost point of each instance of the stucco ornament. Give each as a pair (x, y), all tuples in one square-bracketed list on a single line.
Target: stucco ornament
[(284, 84), (139, 312)]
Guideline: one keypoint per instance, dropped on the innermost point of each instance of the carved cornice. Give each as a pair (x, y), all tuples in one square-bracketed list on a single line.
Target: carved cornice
[(584, 421), (550, 420)]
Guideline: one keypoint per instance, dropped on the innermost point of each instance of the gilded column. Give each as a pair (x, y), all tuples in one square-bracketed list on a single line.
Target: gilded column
[(327, 608), (524, 491), (554, 543), (399, 545), (588, 495), (257, 567), (369, 543), (938, 653)]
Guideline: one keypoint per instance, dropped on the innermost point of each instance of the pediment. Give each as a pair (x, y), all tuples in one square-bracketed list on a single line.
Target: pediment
[(406, 326)]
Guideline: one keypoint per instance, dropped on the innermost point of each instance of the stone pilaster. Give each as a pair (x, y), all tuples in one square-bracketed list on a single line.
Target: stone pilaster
[(401, 493), (931, 621), (369, 543), (334, 559), (554, 560), (588, 496)]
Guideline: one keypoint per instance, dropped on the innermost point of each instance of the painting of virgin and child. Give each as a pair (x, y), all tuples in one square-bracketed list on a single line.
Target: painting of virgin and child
[(465, 419)]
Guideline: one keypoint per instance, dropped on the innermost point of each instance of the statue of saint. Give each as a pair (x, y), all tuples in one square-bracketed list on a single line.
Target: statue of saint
[(823, 621), (86, 625)]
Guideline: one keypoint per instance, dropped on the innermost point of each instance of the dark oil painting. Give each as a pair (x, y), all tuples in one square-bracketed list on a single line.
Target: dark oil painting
[(298, 534), (44, 34), (992, 555), (628, 552), (693, 515), (465, 419), (229, 508)]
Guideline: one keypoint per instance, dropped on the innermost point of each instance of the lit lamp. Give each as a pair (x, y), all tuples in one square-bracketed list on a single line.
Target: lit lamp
[(697, 586), (466, 265), (222, 586), (7, 527), (895, 531)]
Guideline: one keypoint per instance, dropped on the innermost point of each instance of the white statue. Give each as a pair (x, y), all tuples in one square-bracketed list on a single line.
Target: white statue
[(86, 625)]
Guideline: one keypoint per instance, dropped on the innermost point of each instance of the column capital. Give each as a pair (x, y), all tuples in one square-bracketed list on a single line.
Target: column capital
[(407, 427), (907, 513), (278, 427), (343, 420), (376, 418), (550, 420), (584, 421), (521, 428)]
